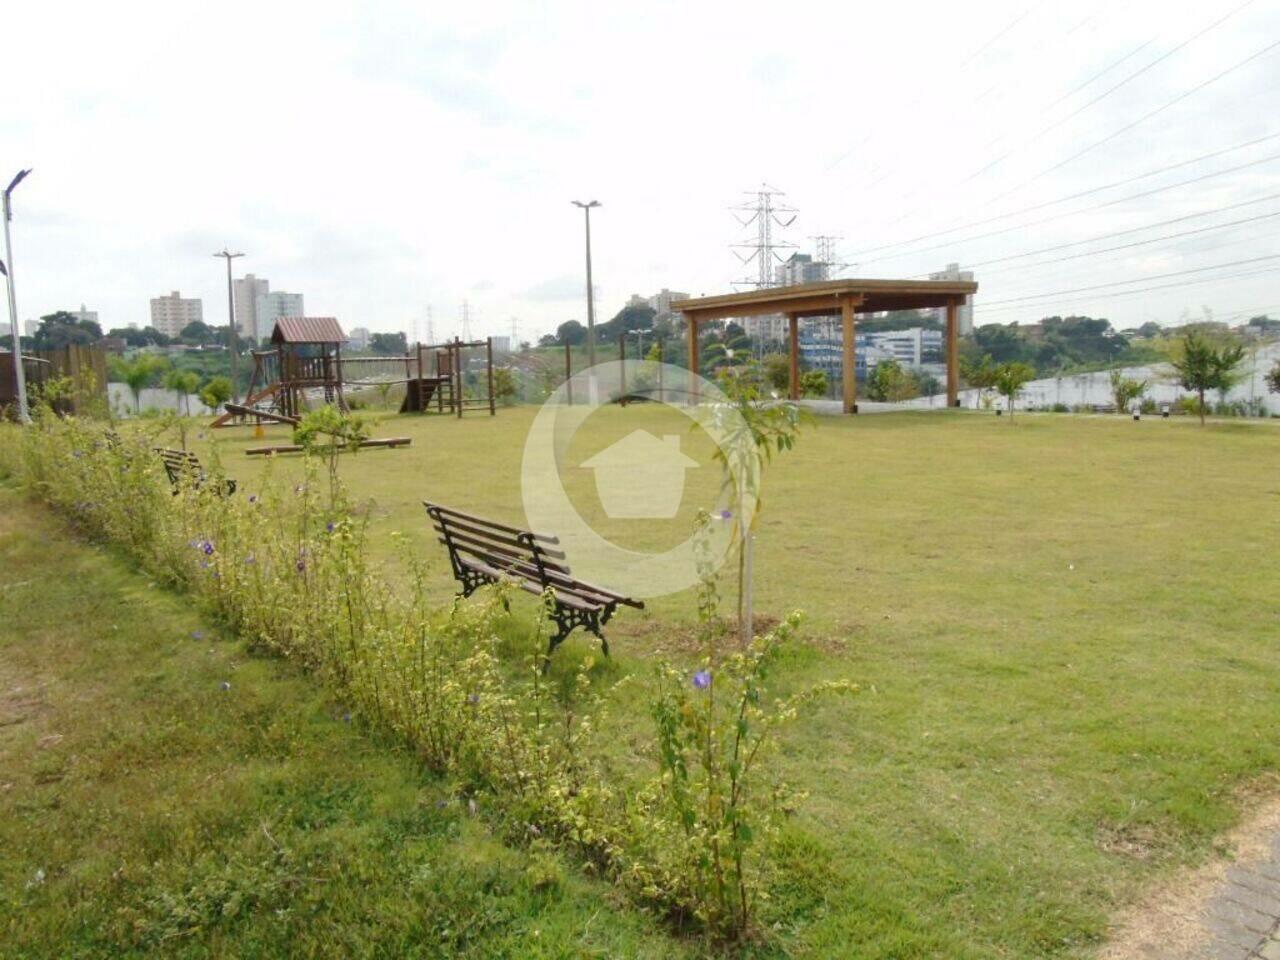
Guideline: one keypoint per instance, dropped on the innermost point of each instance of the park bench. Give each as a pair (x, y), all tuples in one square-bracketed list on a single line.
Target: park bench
[(483, 552), (183, 464)]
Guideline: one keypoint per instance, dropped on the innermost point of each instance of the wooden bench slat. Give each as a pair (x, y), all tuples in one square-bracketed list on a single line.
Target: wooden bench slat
[(501, 537), (540, 537)]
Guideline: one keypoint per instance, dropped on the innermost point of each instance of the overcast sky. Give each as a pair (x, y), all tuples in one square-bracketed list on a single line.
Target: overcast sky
[(381, 158)]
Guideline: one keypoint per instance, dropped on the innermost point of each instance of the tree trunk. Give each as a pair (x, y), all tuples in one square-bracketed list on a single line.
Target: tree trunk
[(1202, 407)]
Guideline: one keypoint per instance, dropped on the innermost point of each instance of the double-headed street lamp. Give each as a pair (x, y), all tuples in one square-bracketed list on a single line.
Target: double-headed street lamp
[(19, 378), (591, 302), (231, 311)]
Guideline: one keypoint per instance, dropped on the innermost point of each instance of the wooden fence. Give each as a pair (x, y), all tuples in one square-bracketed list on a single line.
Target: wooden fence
[(85, 367)]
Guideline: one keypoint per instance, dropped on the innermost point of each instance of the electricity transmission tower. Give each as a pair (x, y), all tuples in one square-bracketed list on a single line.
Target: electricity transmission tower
[(824, 255), (466, 321), (431, 327), (766, 214)]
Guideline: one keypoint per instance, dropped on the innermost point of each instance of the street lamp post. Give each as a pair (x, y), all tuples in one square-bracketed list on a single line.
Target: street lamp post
[(231, 311), (19, 377), (591, 301)]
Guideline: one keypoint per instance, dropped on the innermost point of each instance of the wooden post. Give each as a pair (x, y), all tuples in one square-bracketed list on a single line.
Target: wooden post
[(457, 375), (622, 369), (793, 378), (953, 355), (568, 373), (488, 358), (849, 357), (692, 334)]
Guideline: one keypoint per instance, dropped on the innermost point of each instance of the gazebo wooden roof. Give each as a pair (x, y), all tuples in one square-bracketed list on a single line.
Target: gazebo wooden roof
[(831, 297)]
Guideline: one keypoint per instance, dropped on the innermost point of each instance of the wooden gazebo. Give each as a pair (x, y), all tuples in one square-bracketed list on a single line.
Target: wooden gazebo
[(843, 298)]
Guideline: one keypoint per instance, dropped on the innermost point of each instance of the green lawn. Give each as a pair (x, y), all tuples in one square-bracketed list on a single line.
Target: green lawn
[(1066, 627), (144, 809)]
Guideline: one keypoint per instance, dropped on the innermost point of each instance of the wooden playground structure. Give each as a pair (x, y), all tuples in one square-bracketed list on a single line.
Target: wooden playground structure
[(305, 364)]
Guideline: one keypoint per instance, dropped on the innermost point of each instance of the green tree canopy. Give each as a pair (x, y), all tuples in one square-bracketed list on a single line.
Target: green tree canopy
[(389, 344), (139, 373), (571, 332), (61, 328), (1205, 365), (1009, 379), (890, 382), (215, 392)]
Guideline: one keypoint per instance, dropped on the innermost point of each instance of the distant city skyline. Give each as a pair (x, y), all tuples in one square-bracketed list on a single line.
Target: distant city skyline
[(1048, 149)]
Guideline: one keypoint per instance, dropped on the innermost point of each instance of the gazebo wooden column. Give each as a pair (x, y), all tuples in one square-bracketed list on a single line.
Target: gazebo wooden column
[(793, 378), (849, 357), (953, 354)]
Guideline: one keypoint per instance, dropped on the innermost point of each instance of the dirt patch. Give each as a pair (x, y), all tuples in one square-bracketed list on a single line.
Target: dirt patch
[(1169, 922)]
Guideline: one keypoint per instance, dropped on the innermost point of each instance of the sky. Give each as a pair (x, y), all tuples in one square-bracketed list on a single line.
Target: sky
[(393, 160)]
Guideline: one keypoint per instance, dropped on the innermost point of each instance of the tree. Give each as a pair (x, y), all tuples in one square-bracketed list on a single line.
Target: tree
[(1273, 378), (777, 371), (146, 337), (631, 317), (1124, 390), (389, 344), (504, 386), (183, 383), (198, 332), (571, 332), (139, 373), (891, 383), (60, 329), (215, 392), (813, 383), (1205, 365), (1009, 378)]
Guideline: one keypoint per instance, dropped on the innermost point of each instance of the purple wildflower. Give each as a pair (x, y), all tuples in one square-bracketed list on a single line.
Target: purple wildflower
[(329, 526), (702, 679), (301, 565), (197, 634), (253, 498), (250, 559), (473, 698), (346, 718), (207, 547), (726, 514)]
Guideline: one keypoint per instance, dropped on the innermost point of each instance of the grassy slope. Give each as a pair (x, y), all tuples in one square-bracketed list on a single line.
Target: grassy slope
[(1070, 627), (170, 816)]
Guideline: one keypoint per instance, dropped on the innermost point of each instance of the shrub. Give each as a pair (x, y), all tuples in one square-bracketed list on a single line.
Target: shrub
[(290, 571)]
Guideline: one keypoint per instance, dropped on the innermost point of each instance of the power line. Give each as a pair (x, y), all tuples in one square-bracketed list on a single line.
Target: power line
[(920, 94), (1119, 283), (1112, 89), (1142, 119), (1071, 213), (1163, 286), (1084, 193), (1121, 233)]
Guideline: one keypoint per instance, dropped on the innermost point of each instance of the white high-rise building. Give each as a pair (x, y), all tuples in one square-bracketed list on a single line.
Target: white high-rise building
[(245, 293), (801, 268), (171, 314), (270, 307), (964, 315)]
